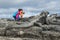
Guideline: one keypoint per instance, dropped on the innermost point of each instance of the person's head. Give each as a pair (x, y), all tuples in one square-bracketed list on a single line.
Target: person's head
[(20, 9)]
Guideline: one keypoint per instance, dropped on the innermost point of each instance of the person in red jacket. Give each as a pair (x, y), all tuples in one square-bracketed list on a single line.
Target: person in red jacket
[(19, 14)]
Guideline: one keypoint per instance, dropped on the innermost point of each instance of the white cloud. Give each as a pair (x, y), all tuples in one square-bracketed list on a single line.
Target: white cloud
[(51, 5), (31, 7), (6, 11), (12, 1)]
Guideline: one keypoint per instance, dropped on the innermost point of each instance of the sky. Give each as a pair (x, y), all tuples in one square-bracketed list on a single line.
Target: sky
[(30, 7)]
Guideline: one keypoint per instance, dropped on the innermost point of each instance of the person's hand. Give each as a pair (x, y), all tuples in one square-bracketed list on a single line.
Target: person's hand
[(19, 16)]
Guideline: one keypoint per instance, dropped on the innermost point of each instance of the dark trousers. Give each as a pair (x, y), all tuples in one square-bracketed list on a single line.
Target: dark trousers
[(15, 18)]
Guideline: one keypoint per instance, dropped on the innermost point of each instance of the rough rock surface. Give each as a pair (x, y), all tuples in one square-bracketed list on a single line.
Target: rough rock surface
[(40, 27)]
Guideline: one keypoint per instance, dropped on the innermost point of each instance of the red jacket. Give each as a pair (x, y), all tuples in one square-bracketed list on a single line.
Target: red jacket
[(17, 15)]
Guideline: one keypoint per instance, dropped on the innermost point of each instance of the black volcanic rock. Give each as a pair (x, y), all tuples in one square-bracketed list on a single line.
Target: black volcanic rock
[(41, 26)]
